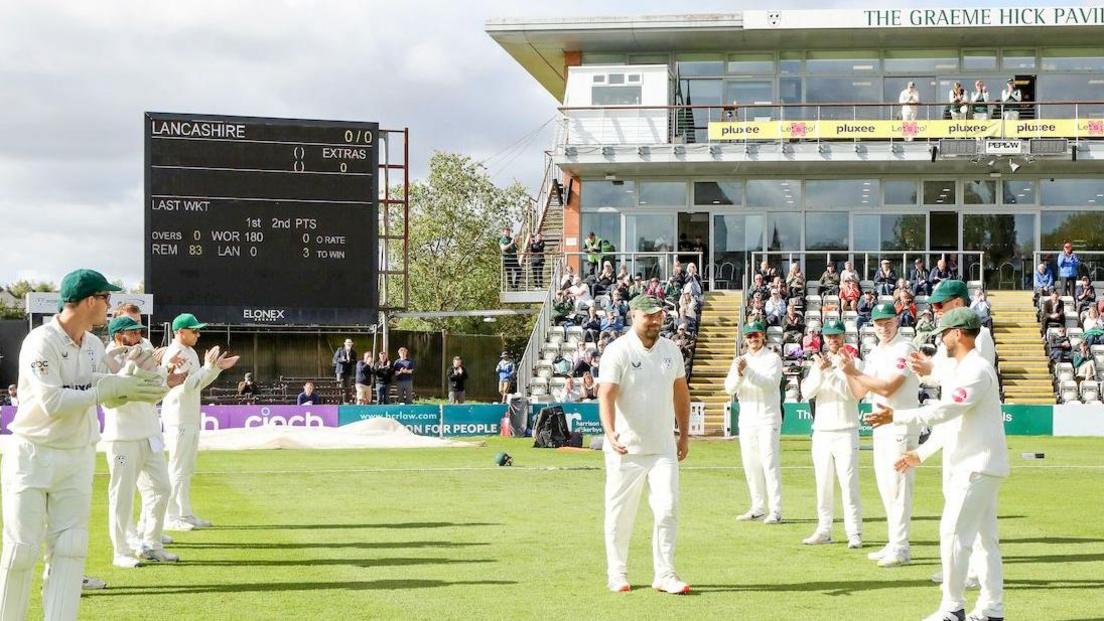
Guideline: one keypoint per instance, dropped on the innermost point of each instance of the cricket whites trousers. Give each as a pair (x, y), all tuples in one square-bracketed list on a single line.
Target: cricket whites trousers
[(626, 476)]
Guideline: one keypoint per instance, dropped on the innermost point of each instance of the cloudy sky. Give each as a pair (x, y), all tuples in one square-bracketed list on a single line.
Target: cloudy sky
[(75, 78)]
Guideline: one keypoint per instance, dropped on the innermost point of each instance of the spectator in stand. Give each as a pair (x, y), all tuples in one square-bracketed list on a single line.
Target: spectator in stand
[(684, 341), (983, 308), (569, 393), (755, 309), (404, 376), (865, 307), (568, 277), (1068, 267), (580, 294), (672, 290), (795, 281), (678, 273), (849, 295), (829, 281), (909, 100), (1083, 362), (13, 395), (760, 287), (693, 281), (384, 372), (563, 309), (637, 287), (457, 379), (308, 396), (885, 279), (582, 365), (688, 311), (508, 245), (344, 363), (592, 246), (605, 280), (536, 260), (594, 360), (1010, 99), (940, 273), (924, 328), (779, 284), (767, 271), (589, 388), (607, 251), (957, 103), (906, 310), (1086, 295), (612, 324), (623, 273), (1092, 319), (655, 288), (775, 309), (247, 388), (1058, 346), (505, 372), (618, 305), (793, 326), (918, 278), (849, 273), (1044, 282), (1054, 313), (812, 343), (979, 100), (592, 325), (364, 380)]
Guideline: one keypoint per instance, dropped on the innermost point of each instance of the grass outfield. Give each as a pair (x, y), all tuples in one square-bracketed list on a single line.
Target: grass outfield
[(444, 534)]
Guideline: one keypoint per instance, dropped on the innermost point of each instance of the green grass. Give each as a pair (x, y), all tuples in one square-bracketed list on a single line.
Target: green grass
[(368, 534)]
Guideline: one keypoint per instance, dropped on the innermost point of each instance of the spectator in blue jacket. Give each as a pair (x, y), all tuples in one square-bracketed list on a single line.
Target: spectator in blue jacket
[(612, 324), (1044, 280), (1068, 267), (505, 372)]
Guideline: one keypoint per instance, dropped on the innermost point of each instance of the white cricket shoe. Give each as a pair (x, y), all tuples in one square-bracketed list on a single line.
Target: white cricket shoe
[(947, 615), (89, 583), (134, 541), (895, 558), (125, 561), (179, 525), (977, 615), (159, 556), (620, 584), (854, 542), (166, 540), (818, 538), (750, 515), (878, 554), (773, 518), (198, 522), (971, 581), (671, 584)]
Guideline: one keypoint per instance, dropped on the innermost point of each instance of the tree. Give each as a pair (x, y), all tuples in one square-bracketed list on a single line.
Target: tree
[(456, 217), (21, 288)]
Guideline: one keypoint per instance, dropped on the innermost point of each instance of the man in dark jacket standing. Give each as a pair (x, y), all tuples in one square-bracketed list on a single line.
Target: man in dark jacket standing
[(344, 363), (457, 378), (384, 372)]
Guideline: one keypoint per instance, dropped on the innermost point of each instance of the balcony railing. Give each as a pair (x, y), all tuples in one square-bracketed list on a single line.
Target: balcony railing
[(760, 123)]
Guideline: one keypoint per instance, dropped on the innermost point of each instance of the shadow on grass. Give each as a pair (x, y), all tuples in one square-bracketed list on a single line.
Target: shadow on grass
[(387, 525), (1055, 558), (253, 587), (827, 588), (915, 518), (1060, 584), (315, 562), (360, 545)]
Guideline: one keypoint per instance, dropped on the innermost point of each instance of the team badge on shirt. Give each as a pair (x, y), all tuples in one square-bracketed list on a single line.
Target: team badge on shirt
[(901, 363), (40, 367), (667, 363), (959, 395), (636, 365)]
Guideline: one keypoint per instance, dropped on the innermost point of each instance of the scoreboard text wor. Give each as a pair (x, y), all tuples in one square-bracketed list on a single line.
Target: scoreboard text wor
[(261, 221)]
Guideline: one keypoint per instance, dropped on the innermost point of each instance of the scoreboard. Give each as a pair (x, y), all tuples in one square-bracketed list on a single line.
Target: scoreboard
[(261, 221)]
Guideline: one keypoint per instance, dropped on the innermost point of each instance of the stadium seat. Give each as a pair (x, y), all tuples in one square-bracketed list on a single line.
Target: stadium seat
[(602, 301), (908, 332), (832, 299), (538, 386), (556, 383), (1090, 391), (774, 334), (866, 285), (885, 299), (1096, 349), (831, 314), (812, 302), (574, 333), (556, 331), (544, 370), (1063, 371), (549, 351)]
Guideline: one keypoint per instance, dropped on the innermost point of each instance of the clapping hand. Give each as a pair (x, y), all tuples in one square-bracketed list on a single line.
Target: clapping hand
[(909, 460), (741, 364), (222, 360), (882, 416), (919, 363)]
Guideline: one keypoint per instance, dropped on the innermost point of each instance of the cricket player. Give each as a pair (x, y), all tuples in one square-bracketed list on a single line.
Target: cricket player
[(889, 383), (835, 437), (47, 468), (949, 295), (755, 378), (181, 416), (135, 454), (642, 392), (969, 426)]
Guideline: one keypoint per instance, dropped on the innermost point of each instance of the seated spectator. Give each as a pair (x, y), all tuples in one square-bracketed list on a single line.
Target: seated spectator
[(618, 305), (812, 343), (592, 325), (849, 273), (760, 287), (637, 287), (579, 293), (568, 277), (779, 284), (623, 273), (612, 323), (589, 389), (1092, 320), (901, 288), (793, 325), (849, 295), (308, 396), (983, 308), (582, 365), (906, 310), (865, 307), (756, 305), (795, 281), (563, 309), (766, 271), (692, 275), (925, 325), (1083, 362), (885, 279), (918, 279), (1058, 346), (654, 288), (775, 309), (678, 273), (1044, 282), (561, 367), (672, 289), (1086, 295), (829, 283), (940, 273), (604, 281), (569, 393), (688, 312), (247, 387), (684, 341), (1053, 313)]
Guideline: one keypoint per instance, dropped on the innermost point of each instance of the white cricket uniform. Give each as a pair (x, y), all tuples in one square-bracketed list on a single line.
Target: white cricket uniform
[(181, 416), (758, 391), (47, 470), (644, 420), (969, 427), (135, 454), (888, 361), (835, 446)]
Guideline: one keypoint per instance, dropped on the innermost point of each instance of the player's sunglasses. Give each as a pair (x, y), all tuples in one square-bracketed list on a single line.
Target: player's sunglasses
[(101, 296)]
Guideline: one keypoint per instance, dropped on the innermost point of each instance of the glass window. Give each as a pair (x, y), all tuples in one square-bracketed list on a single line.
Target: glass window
[(615, 94), (899, 192), (939, 192), (700, 93), (979, 192), (789, 92), (921, 61), (1018, 59), (700, 64), (751, 63), (662, 193), (1008, 241), (826, 230), (774, 193), (789, 63), (1084, 228), (1017, 192), (749, 91), (600, 58), (868, 232), (718, 193), (901, 232), (891, 92), (784, 230), (1079, 192), (1073, 59), (733, 236), (979, 60), (1073, 87), (606, 225), (649, 233), (843, 90), (822, 193), (843, 61), (648, 59), (608, 194)]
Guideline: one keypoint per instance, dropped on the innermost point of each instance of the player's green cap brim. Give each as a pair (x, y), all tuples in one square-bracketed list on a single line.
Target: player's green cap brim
[(187, 321), (949, 289)]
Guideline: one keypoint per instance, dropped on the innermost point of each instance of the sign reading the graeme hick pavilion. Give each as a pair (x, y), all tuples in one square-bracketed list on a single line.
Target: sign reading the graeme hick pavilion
[(926, 18)]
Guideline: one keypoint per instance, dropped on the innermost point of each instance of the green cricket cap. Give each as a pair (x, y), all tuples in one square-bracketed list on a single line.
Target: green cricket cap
[(884, 310), (646, 303), (187, 321), (949, 289), (833, 326), (754, 326), (964, 318), (122, 324), (79, 284)]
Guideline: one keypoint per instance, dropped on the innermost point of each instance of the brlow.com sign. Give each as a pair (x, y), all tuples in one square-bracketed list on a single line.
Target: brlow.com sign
[(432, 420)]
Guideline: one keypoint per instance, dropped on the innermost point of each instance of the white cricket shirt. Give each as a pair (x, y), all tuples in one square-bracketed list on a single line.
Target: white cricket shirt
[(130, 421), (759, 389), (836, 408), (644, 413), (888, 361), (181, 405)]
